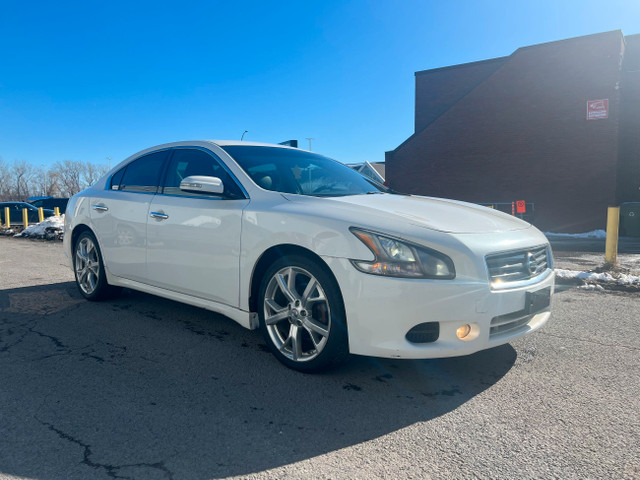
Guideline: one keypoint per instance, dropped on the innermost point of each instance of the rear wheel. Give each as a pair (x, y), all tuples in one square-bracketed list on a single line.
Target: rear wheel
[(89, 269), (302, 315)]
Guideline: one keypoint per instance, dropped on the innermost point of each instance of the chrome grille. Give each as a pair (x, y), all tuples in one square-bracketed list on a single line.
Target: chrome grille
[(517, 265)]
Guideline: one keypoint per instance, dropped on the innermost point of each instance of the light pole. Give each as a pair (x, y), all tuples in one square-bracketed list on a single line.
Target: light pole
[(46, 182), (242, 137), (310, 138)]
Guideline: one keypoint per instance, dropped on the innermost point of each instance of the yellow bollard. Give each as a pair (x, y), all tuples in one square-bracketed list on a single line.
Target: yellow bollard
[(7, 217), (41, 214), (611, 248), (56, 211), (25, 218)]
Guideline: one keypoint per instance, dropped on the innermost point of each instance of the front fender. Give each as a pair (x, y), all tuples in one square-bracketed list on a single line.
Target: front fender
[(262, 230)]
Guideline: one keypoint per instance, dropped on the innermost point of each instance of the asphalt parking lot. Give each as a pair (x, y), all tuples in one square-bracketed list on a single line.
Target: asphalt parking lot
[(145, 388)]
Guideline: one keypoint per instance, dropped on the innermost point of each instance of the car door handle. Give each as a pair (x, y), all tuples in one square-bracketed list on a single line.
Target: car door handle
[(100, 208), (159, 215)]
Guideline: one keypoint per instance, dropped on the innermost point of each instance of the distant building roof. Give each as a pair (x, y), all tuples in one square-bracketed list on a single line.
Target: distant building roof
[(375, 171), (379, 167)]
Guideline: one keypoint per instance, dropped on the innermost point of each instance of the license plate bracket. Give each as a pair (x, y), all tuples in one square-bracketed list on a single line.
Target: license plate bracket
[(537, 301)]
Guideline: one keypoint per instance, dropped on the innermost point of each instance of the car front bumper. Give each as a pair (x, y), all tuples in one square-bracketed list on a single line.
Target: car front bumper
[(381, 310)]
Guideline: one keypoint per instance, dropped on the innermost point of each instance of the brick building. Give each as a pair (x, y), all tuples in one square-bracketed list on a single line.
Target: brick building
[(555, 124)]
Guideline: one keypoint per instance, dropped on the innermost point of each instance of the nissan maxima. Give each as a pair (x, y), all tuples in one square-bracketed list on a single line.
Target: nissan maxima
[(322, 260)]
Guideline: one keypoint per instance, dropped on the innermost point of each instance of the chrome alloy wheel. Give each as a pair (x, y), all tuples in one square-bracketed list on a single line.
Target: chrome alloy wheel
[(87, 265), (297, 314)]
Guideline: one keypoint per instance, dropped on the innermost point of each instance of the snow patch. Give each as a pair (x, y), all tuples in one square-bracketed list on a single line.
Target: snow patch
[(51, 224), (592, 287), (605, 277), (599, 234)]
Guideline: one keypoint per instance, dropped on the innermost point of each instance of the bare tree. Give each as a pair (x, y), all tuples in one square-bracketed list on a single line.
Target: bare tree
[(53, 184), (20, 179), (91, 173), (23, 174), (68, 175), (46, 183), (5, 181)]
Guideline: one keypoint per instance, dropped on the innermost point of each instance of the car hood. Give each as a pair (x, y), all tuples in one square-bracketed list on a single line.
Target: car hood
[(438, 214)]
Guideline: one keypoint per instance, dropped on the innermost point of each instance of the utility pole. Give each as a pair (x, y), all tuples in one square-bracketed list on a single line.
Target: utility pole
[(109, 159), (310, 138)]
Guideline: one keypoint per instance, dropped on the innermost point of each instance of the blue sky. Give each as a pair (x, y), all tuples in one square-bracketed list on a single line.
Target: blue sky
[(90, 80)]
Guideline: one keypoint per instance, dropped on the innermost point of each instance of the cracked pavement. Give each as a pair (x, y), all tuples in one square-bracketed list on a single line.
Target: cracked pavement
[(144, 388)]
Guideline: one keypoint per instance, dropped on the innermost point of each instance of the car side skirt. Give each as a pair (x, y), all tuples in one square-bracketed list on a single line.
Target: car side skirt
[(244, 318)]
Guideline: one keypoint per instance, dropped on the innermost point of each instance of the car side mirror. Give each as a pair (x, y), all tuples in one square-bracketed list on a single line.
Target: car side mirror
[(202, 184)]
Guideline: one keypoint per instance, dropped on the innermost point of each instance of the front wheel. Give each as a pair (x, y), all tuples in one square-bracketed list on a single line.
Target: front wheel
[(89, 269), (302, 315)]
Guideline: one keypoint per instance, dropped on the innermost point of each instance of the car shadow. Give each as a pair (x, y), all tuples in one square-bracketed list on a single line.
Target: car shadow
[(140, 386)]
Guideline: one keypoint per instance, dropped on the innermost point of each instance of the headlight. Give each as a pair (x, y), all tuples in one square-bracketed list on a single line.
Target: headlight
[(396, 258)]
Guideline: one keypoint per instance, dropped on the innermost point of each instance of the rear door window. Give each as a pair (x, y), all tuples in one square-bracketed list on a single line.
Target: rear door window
[(142, 175), (116, 179)]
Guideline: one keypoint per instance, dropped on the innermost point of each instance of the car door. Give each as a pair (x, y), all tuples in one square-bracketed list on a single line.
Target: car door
[(32, 214), (193, 238), (119, 215), (15, 214)]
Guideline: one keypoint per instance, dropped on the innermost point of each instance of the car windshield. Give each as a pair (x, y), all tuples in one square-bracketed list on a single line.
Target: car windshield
[(296, 171)]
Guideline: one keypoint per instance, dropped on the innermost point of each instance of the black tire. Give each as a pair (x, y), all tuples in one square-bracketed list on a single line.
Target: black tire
[(305, 334), (88, 268)]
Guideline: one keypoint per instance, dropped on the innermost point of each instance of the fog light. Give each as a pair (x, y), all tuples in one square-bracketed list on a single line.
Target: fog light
[(463, 331)]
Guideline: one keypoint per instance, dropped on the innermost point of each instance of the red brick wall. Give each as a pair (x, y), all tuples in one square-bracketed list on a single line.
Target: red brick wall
[(522, 134), (437, 90), (629, 136)]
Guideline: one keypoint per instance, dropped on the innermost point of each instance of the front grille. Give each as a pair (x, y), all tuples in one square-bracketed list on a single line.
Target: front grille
[(509, 323), (517, 265)]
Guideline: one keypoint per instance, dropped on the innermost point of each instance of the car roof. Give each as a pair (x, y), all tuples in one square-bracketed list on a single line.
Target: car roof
[(220, 143), (21, 203), (228, 143)]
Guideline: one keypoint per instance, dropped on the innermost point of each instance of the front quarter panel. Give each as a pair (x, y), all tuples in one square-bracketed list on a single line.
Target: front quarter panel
[(276, 222)]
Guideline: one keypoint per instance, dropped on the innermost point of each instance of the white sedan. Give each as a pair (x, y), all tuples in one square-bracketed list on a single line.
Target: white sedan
[(322, 260)]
